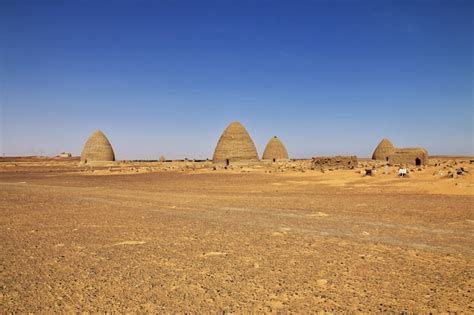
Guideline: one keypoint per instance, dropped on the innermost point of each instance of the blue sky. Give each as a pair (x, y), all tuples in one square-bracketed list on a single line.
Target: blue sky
[(167, 77)]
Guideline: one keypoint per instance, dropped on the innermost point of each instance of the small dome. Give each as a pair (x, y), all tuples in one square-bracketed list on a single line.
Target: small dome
[(275, 150), (97, 148), (383, 150), (235, 144)]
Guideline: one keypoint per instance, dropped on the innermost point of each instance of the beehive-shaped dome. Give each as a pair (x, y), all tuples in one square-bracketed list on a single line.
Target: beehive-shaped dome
[(97, 148), (235, 144), (275, 150), (383, 150)]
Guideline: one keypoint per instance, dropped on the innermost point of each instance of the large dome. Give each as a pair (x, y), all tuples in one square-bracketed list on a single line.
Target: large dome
[(383, 150), (97, 148), (275, 150), (235, 145)]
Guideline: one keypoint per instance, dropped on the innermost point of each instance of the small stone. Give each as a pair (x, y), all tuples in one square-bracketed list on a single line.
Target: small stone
[(322, 282)]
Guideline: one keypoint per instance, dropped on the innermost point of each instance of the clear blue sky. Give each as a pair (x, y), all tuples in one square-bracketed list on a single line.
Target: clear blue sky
[(166, 77)]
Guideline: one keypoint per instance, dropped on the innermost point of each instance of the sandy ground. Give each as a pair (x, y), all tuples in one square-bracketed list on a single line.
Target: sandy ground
[(195, 240)]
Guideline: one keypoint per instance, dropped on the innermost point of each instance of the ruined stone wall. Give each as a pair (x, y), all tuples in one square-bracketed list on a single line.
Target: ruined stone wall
[(335, 162)]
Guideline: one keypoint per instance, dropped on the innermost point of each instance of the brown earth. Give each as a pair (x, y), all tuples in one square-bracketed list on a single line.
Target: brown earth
[(191, 239)]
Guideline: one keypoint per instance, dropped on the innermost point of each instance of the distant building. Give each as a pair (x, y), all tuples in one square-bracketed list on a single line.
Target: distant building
[(383, 150), (386, 151), (64, 155), (97, 148), (275, 150), (412, 156), (235, 145)]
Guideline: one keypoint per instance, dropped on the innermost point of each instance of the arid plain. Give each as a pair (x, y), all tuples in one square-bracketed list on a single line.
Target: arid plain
[(183, 237)]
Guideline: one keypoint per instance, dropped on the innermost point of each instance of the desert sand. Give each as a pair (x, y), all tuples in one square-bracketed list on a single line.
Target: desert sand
[(192, 237)]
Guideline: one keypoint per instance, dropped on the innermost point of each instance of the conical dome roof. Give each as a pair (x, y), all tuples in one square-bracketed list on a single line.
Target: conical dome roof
[(235, 144), (383, 150), (275, 150), (97, 148)]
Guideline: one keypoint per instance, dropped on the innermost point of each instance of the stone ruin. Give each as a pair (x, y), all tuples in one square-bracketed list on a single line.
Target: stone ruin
[(64, 155), (235, 145), (275, 150), (335, 162)]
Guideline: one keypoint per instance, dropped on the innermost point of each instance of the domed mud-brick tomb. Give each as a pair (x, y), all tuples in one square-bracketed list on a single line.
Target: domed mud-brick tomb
[(235, 145), (97, 148), (383, 150), (386, 151), (275, 150)]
